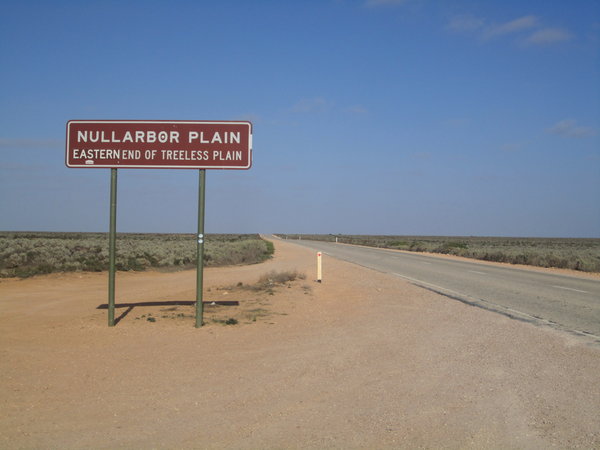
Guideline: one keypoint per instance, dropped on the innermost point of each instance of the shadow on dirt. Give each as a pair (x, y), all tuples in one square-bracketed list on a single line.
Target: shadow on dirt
[(130, 306)]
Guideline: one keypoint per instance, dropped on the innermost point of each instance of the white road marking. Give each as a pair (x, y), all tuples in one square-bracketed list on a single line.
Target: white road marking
[(570, 289), (478, 273), (424, 283), (426, 263)]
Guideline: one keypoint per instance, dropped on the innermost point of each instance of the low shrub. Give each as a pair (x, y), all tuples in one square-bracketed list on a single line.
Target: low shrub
[(27, 254), (274, 277)]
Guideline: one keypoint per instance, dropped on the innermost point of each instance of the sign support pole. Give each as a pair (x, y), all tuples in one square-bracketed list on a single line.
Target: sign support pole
[(112, 239), (200, 248)]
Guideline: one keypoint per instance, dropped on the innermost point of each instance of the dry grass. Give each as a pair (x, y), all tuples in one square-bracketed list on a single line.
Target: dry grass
[(26, 254), (275, 277), (258, 302)]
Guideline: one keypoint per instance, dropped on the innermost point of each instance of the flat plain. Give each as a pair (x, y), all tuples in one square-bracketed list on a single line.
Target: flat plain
[(562, 253), (361, 360)]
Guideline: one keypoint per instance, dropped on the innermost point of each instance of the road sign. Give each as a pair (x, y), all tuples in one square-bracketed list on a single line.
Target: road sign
[(158, 144)]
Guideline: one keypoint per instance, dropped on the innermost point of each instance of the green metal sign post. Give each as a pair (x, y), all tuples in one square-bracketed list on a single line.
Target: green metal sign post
[(112, 240), (200, 248), (112, 246)]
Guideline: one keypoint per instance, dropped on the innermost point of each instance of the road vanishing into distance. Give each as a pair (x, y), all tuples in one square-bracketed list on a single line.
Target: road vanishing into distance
[(565, 302)]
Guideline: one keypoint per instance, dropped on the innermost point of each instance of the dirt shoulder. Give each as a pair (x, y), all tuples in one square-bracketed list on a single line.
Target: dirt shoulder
[(362, 360)]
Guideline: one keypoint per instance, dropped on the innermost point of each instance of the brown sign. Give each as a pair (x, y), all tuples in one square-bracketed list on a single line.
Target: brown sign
[(158, 144)]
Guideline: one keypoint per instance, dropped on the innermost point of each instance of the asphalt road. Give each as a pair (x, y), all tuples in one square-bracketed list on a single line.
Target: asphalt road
[(565, 302)]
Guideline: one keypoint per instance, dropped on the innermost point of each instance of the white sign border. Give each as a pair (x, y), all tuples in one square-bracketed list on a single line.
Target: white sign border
[(208, 122)]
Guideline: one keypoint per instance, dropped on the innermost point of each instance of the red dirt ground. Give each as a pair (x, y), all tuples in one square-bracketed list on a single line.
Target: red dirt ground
[(363, 360)]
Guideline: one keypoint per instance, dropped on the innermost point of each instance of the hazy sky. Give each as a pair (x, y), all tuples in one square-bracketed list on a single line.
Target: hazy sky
[(370, 116)]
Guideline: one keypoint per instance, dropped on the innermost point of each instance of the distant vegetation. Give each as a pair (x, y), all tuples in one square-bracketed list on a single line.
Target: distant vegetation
[(23, 254), (576, 254)]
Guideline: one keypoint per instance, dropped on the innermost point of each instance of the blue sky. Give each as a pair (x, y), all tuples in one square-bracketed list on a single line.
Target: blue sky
[(370, 116)]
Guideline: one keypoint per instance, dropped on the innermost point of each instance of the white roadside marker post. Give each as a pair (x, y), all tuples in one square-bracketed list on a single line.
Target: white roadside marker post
[(319, 267)]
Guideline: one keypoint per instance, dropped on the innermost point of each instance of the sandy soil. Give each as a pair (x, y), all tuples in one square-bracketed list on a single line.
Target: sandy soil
[(362, 360)]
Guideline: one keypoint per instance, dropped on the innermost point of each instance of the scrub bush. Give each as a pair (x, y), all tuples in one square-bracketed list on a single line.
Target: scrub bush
[(24, 254)]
